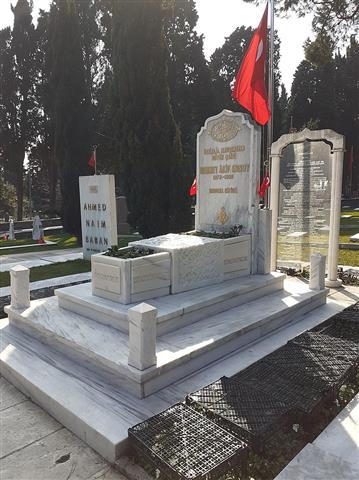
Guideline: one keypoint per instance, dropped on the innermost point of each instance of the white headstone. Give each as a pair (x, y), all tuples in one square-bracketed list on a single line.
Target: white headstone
[(11, 229), (228, 160), (37, 228), (98, 213)]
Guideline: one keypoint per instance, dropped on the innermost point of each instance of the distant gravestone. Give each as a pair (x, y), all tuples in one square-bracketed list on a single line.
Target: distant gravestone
[(306, 186), (228, 156), (98, 213), (11, 229), (37, 231), (123, 227), (304, 201)]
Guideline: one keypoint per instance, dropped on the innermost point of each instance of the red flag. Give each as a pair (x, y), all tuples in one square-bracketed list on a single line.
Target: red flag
[(193, 189), (264, 185), (92, 161), (250, 89)]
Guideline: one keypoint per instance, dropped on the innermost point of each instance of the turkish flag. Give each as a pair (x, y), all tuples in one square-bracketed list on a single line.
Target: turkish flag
[(249, 88), (92, 161), (193, 189)]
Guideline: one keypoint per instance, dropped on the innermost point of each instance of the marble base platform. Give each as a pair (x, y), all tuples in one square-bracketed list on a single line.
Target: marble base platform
[(174, 311), (100, 413), (181, 352)]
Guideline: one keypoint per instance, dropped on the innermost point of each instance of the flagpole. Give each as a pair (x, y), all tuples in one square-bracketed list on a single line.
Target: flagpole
[(270, 94)]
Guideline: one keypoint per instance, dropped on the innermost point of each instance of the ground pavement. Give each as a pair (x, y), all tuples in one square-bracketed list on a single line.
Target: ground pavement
[(36, 259)]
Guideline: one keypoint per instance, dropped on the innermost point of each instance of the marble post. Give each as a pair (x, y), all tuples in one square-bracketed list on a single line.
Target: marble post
[(142, 336), (264, 241), (20, 286), (274, 206), (317, 272), (335, 209)]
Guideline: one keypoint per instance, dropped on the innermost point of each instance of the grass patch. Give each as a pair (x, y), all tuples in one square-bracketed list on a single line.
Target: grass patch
[(15, 243), (50, 271), (63, 241)]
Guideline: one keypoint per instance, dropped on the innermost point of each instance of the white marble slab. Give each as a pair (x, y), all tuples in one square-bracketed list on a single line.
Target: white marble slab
[(341, 436), (178, 353), (315, 464), (196, 261), (346, 216), (172, 309), (354, 238)]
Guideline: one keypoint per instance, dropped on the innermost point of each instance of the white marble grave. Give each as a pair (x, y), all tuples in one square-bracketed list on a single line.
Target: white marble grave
[(98, 213), (196, 261), (228, 156), (354, 238)]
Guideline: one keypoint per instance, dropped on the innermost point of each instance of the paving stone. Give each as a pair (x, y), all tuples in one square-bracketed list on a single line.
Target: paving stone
[(23, 424), (58, 456), (9, 395), (313, 463)]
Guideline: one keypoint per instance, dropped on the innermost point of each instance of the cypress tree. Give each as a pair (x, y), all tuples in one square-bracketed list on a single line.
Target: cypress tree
[(17, 95), (150, 158), (71, 108)]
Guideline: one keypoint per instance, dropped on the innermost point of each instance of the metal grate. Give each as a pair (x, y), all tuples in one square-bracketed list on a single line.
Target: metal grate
[(329, 345), (250, 413), (186, 445), (275, 381), (312, 368), (345, 329)]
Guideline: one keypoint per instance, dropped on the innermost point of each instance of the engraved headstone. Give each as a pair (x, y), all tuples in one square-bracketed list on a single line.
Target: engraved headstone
[(11, 229), (304, 201), (37, 231), (98, 213), (228, 156)]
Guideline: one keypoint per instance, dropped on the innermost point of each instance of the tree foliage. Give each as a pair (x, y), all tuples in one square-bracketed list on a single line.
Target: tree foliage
[(149, 145), (337, 18), (19, 111), (71, 107)]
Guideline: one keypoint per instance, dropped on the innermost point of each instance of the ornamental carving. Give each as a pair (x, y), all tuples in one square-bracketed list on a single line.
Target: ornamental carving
[(224, 130), (222, 217)]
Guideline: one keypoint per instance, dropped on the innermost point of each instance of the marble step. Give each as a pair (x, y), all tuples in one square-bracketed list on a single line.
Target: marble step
[(174, 311), (100, 414), (105, 350), (95, 412)]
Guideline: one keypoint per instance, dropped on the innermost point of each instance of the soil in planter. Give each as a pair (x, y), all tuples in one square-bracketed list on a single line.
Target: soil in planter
[(130, 252), (233, 232)]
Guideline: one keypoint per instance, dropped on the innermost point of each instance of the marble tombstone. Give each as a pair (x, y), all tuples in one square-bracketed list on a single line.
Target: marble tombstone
[(306, 182), (98, 213)]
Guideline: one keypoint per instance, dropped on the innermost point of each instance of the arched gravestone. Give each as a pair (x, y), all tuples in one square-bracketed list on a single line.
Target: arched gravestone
[(228, 160), (307, 170)]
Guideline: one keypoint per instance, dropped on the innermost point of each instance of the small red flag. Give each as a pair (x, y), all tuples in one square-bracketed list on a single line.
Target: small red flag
[(249, 88), (92, 161), (264, 185), (193, 189)]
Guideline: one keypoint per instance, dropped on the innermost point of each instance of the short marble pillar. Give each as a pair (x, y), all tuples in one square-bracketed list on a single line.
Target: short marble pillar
[(264, 241), (142, 336), (317, 272), (20, 286)]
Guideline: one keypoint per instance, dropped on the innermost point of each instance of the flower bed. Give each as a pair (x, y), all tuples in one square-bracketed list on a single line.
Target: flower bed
[(128, 275)]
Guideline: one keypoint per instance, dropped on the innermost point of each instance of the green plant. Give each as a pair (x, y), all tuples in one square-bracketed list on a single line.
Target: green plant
[(130, 252)]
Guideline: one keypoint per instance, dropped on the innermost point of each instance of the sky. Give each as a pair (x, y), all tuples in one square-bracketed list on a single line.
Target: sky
[(217, 20)]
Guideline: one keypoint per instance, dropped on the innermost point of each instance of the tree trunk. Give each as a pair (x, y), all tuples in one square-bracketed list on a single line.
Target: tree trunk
[(52, 182)]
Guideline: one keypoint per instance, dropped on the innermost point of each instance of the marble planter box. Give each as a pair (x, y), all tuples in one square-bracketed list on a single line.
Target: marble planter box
[(196, 261), (236, 256), (133, 279)]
